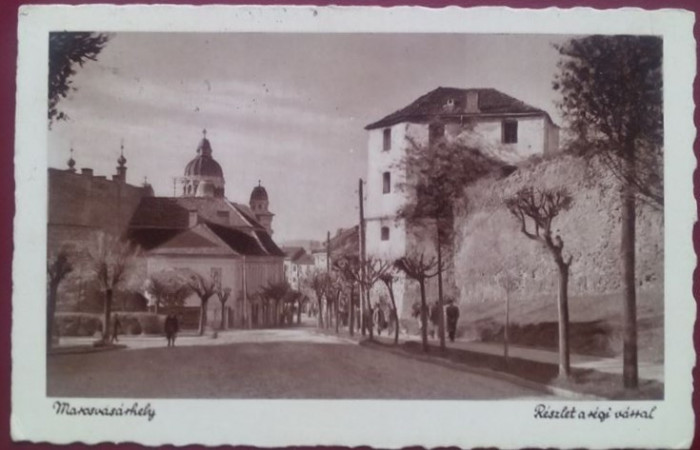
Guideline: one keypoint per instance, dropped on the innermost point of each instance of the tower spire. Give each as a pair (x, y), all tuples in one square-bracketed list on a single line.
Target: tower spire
[(71, 161)]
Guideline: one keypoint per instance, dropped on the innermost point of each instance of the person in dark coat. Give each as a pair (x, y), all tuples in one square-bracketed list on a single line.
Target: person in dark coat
[(171, 328), (452, 313)]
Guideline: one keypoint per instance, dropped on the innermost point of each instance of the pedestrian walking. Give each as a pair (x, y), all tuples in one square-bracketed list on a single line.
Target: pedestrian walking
[(380, 319), (434, 319), (452, 313), (116, 328), (171, 328)]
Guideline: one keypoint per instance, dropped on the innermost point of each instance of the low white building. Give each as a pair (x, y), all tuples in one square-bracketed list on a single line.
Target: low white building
[(499, 125)]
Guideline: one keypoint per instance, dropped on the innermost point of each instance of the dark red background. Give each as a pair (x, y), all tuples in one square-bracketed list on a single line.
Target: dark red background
[(8, 51)]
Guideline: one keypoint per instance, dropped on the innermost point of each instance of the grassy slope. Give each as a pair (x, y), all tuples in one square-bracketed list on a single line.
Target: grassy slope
[(595, 323)]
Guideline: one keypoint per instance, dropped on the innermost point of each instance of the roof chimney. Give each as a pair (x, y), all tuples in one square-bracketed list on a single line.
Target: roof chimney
[(85, 171), (472, 105), (192, 218)]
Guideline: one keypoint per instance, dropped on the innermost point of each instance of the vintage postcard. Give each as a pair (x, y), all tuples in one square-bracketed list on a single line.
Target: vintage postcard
[(354, 226)]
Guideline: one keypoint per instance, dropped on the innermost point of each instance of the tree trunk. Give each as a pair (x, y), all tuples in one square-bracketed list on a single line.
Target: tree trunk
[(320, 312), (202, 317), (337, 313), (370, 316), (51, 313), (441, 303), (223, 314), (352, 311), (564, 367), (395, 313), (505, 329), (107, 313), (423, 316), (299, 305), (629, 315)]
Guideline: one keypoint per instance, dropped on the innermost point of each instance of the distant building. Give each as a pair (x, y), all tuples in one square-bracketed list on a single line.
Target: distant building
[(204, 231), (81, 205), (297, 265), (499, 125), (201, 230)]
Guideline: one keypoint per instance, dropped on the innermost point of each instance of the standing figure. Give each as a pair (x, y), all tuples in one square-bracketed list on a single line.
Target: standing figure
[(452, 317), (171, 328), (434, 319), (116, 328), (379, 319)]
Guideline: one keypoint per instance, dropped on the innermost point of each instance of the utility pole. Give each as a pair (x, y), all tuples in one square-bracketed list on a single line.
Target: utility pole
[(328, 274), (362, 258)]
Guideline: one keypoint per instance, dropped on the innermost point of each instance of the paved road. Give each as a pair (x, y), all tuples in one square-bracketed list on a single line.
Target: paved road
[(265, 364)]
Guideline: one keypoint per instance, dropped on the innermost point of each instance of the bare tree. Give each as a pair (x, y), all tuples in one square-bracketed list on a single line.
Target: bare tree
[(316, 281), (168, 288), (56, 271), (349, 272), (419, 268), (223, 295), (204, 287), (110, 261), (276, 292), (388, 279), (536, 210)]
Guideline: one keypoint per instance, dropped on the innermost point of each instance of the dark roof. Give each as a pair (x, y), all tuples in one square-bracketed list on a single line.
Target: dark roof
[(173, 212), (259, 193), (293, 252), (203, 166), (435, 104), (157, 220)]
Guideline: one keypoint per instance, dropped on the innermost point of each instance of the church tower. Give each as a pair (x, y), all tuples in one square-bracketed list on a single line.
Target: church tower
[(259, 203), (203, 175)]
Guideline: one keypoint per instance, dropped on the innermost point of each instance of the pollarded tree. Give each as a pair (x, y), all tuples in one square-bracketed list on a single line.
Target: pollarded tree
[(57, 270), (436, 176), (204, 287), (276, 292), (349, 272), (420, 269), (168, 288), (388, 279), (66, 51), (612, 99), (111, 260), (535, 211), (316, 281), (223, 294)]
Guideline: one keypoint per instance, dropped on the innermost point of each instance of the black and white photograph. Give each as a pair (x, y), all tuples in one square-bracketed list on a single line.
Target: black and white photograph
[(437, 217)]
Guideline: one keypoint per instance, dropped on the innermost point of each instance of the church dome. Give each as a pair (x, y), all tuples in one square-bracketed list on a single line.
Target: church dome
[(203, 165), (203, 175), (259, 194)]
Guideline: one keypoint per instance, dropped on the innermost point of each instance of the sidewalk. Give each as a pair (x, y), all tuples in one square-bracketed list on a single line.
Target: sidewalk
[(647, 371)]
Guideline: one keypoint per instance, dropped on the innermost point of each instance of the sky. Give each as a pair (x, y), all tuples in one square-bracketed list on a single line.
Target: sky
[(288, 109)]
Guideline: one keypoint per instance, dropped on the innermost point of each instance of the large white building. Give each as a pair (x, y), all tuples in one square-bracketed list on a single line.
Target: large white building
[(497, 124)]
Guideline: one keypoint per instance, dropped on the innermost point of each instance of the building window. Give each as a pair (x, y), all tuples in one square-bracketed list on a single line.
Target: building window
[(385, 233), (387, 139), (510, 131), (386, 182), (436, 131)]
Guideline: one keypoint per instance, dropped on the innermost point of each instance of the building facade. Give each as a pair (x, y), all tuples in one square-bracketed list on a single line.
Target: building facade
[(498, 125), (203, 231)]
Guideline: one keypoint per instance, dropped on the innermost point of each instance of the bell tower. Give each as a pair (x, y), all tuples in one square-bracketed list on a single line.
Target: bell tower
[(259, 204)]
